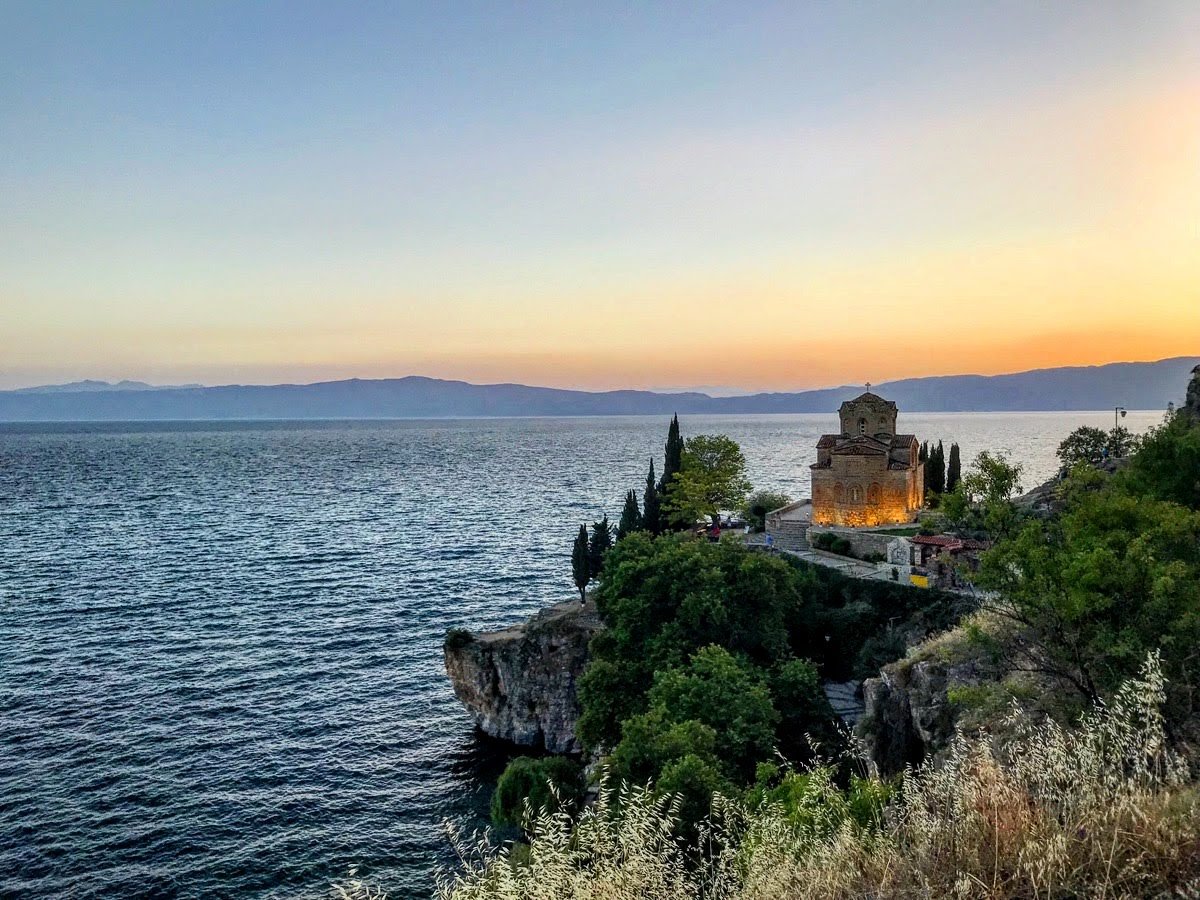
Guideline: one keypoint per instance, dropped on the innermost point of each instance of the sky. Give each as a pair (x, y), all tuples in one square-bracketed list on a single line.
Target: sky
[(762, 196)]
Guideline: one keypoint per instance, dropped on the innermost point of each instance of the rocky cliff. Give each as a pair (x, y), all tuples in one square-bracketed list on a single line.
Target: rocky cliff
[(907, 714), (912, 709), (519, 683)]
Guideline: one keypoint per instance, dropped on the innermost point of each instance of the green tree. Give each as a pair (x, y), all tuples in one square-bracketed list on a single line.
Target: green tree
[(1122, 442), (1167, 464), (712, 478), (760, 503), (1083, 445), (954, 468), (955, 509), (673, 456), (993, 478), (990, 486), (631, 516), (598, 547), (663, 599), (580, 563), (804, 709), (935, 470), (720, 693), (1113, 578), (652, 504), (549, 784)]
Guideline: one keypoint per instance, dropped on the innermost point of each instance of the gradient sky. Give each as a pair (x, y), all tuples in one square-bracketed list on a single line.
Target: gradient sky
[(761, 195)]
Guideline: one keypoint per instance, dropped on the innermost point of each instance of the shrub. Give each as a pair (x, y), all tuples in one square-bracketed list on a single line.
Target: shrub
[(762, 502), (531, 787), (457, 638)]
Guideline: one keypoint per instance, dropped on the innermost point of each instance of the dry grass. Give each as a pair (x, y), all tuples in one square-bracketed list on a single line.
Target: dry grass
[(1104, 810)]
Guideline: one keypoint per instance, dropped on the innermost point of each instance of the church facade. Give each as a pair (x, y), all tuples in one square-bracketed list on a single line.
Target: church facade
[(868, 474)]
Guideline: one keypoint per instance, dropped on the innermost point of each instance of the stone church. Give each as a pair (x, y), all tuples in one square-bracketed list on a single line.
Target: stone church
[(868, 474)]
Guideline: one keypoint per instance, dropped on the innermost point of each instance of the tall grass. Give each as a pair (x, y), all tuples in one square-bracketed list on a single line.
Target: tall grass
[(1104, 810)]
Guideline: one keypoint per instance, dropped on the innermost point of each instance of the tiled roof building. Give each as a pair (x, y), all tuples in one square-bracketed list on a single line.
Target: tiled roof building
[(867, 474)]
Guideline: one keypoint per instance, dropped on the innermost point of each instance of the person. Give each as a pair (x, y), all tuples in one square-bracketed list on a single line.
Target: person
[(770, 541)]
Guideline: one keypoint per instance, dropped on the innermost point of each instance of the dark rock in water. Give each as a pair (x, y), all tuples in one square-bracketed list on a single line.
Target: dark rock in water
[(520, 682)]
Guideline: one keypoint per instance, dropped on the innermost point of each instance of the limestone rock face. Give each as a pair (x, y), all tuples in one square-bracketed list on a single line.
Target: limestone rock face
[(908, 714), (519, 683)]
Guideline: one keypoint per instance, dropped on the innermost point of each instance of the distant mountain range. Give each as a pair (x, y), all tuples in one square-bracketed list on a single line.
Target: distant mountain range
[(90, 386), (1136, 385)]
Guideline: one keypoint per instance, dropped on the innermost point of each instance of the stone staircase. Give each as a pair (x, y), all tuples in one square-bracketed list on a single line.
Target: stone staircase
[(790, 535)]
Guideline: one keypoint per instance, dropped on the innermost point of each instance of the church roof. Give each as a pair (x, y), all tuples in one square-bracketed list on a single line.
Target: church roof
[(868, 397), (860, 445), (827, 441), (903, 440)]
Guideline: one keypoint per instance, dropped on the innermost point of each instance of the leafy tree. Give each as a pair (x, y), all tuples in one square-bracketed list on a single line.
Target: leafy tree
[(954, 468), (804, 709), (662, 600), (652, 516), (760, 503), (955, 509), (580, 563), (712, 478), (598, 547), (720, 693), (1083, 445), (1122, 442), (1116, 576), (993, 478), (552, 783), (631, 516), (1167, 464)]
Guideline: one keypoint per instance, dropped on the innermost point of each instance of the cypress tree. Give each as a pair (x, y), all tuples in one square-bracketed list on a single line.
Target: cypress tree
[(672, 464), (598, 546), (954, 470), (579, 563), (923, 453), (631, 516), (673, 460), (937, 469), (652, 504)]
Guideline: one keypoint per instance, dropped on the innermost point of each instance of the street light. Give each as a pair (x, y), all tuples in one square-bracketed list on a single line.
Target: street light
[(1118, 411)]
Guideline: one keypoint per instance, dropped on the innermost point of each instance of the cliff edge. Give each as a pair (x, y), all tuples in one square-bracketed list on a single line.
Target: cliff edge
[(519, 683)]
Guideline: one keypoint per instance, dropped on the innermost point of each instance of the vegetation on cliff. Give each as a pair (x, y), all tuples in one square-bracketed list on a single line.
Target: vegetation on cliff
[(713, 654), (1103, 810)]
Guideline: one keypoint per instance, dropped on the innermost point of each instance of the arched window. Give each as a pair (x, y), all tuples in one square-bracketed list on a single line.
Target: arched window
[(862, 426), (839, 492), (874, 494), (856, 493)]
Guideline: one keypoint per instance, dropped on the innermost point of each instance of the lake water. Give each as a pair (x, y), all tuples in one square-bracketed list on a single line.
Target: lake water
[(220, 644)]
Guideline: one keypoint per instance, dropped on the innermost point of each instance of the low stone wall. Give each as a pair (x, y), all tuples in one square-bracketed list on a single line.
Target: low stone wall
[(862, 543)]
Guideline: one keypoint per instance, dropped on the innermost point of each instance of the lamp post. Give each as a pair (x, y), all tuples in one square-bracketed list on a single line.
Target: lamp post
[(1118, 414)]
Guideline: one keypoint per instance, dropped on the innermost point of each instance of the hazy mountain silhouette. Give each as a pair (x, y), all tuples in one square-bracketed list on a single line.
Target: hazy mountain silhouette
[(1138, 385), (91, 386)]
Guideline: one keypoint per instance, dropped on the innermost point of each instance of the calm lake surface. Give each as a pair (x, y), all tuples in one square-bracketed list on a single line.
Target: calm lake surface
[(220, 644)]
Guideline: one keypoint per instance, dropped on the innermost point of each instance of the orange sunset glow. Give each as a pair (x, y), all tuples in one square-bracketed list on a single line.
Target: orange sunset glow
[(1025, 197)]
